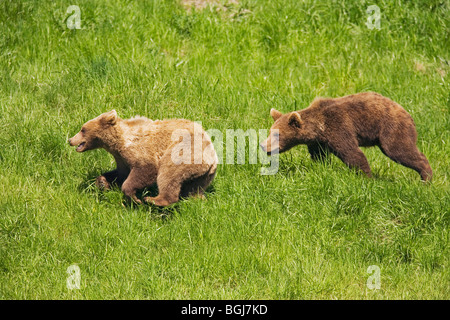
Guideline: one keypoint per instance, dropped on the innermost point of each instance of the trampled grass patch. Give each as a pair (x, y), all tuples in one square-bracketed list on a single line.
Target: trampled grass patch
[(308, 232)]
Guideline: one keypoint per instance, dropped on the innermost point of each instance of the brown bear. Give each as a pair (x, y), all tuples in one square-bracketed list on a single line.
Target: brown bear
[(342, 125), (177, 155)]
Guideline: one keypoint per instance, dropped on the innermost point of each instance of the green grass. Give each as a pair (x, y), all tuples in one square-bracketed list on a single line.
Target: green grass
[(308, 232)]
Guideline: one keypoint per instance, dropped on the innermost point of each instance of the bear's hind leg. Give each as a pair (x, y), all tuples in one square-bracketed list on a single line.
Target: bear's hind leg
[(407, 154), (196, 187)]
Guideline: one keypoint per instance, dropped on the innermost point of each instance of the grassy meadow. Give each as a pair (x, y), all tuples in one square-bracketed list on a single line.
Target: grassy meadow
[(311, 231)]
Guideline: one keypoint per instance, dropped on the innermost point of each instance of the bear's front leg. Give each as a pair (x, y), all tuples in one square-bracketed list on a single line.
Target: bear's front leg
[(139, 178), (104, 181), (318, 151)]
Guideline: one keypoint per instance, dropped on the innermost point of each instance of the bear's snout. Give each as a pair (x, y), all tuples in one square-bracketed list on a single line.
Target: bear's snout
[(270, 146), (263, 147), (72, 141), (267, 150), (79, 142)]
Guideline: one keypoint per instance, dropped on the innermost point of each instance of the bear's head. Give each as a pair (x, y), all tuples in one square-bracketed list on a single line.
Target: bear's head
[(92, 133), (285, 133)]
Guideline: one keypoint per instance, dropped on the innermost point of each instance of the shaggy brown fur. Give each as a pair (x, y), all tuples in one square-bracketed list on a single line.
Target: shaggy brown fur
[(145, 150), (342, 125)]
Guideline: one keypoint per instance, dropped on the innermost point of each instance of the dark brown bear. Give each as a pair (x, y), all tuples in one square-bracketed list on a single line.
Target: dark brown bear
[(342, 125)]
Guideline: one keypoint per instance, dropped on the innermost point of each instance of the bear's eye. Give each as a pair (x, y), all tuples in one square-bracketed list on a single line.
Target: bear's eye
[(83, 130)]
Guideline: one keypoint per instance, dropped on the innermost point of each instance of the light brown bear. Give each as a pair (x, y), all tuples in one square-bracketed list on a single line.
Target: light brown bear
[(177, 155), (342, 125)]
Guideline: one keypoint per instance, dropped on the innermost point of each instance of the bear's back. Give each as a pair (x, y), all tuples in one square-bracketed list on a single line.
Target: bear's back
[(363, 114), (367, 108)]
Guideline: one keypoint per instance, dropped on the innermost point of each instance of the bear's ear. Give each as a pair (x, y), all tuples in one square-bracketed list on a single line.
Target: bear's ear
[(110, 117), (294, 119), (275, 114)]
